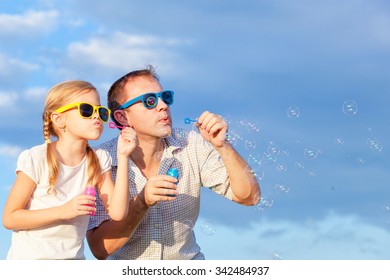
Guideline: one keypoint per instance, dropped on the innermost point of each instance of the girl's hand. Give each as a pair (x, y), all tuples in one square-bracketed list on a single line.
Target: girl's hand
[(80, 205), (213, 128), (127, 141)]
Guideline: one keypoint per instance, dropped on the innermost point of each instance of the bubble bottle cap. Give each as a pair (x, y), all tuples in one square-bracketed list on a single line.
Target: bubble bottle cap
[(174, 172), (90, 190)]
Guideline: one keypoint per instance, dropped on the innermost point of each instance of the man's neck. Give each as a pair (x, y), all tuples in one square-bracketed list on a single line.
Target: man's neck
[(147, 157)]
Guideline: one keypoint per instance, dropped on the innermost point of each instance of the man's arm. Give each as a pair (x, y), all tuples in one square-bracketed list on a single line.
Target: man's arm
[(112, 235), (243, 182)]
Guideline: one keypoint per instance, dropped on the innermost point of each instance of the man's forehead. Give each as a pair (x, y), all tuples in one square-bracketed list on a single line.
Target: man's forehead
[(140, 85)]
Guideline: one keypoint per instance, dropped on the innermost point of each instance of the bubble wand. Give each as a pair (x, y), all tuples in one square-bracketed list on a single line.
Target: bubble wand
[(188, 121), (114, 125)]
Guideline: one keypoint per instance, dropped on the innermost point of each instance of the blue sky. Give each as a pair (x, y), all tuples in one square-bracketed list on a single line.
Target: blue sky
[(304, 85)]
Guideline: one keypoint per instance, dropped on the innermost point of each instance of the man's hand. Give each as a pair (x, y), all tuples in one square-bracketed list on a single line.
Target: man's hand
[(213, 128)]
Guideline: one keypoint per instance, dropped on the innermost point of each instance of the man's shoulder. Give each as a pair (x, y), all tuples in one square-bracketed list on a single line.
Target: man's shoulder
[(109, 145)]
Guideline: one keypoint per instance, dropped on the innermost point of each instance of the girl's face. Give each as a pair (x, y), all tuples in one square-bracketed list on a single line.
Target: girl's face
[(81, 128)]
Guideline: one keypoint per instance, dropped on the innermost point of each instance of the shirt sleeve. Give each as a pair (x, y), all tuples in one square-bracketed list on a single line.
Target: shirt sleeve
[(27, 164), (213, 172), (104, 159)]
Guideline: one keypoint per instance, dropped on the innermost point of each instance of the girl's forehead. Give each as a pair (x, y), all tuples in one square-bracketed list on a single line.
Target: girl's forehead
[(90, 96)]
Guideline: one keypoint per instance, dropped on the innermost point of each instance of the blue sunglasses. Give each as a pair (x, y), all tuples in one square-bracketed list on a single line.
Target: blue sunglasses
[(150, 100)]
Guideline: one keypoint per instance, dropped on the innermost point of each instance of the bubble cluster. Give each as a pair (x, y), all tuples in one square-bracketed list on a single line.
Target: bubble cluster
[(249, 126)]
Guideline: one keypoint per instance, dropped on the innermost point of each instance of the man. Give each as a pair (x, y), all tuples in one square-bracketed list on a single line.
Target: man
[(161, 207)]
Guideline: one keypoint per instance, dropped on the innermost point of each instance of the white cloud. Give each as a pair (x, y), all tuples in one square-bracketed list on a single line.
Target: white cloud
[(9, 150), (333, 237), (28, 24), (7, 99), (37, 93), (13, 68), (124, 51)]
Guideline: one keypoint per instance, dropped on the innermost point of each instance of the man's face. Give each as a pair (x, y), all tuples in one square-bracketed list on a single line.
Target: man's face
[(155, 122)]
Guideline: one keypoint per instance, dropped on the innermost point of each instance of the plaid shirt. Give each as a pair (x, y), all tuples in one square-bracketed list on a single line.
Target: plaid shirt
[(166, 232)]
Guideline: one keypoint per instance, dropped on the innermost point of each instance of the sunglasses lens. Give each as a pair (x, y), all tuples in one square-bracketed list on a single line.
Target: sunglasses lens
[(86, 110), (104, 114), (150, 101), (167, 97)]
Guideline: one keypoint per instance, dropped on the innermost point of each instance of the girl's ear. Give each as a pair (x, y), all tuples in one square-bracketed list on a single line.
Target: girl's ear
[(58, 120), (121, 118)]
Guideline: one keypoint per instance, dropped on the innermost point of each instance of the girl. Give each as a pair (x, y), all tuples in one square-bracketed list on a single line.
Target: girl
[(46, 207)]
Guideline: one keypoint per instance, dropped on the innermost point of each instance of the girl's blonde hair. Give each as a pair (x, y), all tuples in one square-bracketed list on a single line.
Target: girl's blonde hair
[(60, 95)]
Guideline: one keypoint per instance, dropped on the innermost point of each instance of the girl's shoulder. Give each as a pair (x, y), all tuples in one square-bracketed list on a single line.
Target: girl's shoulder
[(101, 152), (37, 152), (104, 157)]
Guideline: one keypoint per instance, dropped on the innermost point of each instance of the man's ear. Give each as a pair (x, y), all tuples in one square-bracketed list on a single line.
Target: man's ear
[(121, 118), (58, 120)]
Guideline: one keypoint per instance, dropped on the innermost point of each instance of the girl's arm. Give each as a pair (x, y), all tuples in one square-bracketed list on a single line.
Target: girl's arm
[(116, 199), (16, 217)]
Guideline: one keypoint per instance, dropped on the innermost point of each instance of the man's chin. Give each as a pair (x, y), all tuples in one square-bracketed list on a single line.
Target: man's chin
[(165, 132)]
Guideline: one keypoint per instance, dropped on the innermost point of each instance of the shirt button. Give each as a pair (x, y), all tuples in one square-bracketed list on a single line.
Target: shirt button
[(156, 226)]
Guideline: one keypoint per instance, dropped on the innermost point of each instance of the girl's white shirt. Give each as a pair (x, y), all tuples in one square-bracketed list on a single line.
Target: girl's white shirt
[(63, 240)]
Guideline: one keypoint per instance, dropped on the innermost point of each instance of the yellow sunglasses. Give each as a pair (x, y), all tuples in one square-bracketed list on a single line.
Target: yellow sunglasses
[(87, 110)]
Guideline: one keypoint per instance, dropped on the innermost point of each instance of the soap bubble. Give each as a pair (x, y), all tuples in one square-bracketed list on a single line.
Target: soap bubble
[(256, 198), (227, 118), (339, 141), (293, 112), (250, 145), (268, 158), (266, 202), (276, 255), (207, 227), (281, 167), (282, 188), (254, 160), (350, 108), (374, 145), (188, 224), (299, 165), (360, 160), (386, 208), (310, 153), (273, 149), (253, 127)]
